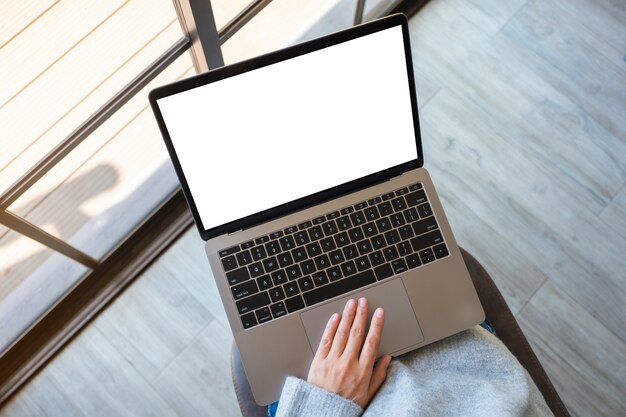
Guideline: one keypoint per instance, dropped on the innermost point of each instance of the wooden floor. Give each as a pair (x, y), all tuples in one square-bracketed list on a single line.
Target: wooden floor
[(523, 112)]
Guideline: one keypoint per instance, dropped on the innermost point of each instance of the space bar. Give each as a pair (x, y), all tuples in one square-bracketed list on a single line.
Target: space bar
[(339, 287)]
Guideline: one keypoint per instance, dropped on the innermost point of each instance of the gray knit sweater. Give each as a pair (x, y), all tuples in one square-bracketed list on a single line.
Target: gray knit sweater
[(468, 374)]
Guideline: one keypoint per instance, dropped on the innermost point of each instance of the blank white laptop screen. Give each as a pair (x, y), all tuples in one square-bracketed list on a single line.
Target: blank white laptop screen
[(272, 135)]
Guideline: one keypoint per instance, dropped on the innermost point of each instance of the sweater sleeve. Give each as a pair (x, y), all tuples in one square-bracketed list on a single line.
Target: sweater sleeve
[(301, 399)]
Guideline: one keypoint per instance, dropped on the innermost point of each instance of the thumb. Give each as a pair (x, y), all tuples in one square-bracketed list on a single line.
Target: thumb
[(378, 376)]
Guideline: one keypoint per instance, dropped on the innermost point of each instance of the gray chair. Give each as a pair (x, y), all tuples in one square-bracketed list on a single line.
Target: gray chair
[(500, 318)]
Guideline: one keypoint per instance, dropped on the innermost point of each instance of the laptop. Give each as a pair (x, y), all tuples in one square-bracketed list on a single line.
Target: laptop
[(303, 171)]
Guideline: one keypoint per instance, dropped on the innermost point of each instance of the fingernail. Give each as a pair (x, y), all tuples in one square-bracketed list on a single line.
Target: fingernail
[(362, 302), (379, 312), (349, 304)]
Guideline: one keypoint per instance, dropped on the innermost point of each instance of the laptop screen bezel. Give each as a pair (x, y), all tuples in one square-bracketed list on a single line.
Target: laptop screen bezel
[(269, 59)]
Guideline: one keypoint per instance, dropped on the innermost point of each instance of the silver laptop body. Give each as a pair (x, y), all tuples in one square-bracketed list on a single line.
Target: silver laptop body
[(303, 170)]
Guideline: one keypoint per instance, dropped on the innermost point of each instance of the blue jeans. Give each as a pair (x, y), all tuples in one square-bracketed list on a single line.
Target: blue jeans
[(271, 409)]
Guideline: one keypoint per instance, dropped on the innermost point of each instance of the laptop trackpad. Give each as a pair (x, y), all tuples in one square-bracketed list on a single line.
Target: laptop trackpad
[(400, 331)]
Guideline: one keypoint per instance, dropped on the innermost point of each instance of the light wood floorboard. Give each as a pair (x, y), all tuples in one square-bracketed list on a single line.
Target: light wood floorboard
[(523, 117)]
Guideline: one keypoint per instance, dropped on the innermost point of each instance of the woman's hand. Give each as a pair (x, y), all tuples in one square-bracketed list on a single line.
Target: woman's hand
[(344, 362)]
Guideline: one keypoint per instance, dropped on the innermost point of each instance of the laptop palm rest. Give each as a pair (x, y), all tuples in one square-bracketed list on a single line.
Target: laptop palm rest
[(401, 329)]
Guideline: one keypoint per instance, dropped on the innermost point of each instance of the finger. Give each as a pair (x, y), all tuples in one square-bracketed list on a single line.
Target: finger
[(357, 332), (368, 354), (378, 376), (327, 337), (341, 337)]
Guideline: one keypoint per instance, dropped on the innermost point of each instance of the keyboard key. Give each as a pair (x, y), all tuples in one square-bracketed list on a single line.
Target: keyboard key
[(424, 226), (273, 247), (392, 237), (299, 254), (397, 220), (263, 315), (316, 233), (293, 272), (258, 253), (383, 271), (256, 269), (287, 243), (339, 287), (322, 262), (370, 229), (418, 197), (378, 242), (308, 267), (244, 289), (314, 249), (320, 278), (334, 273), (356, 234), (264, 282), (344, 223), (365, 247), (291, 289), (294, 303), (398, 204), (248, 320), (342, 239), (278, 309), (377, 258), (319, 220), (229, 263), (385, 208), (328, 244), (330, 228), (426, 240), (332, 215), (302, 238), (279, 277), (383, 224), (363, 263), (406, 232), (289, 230), (277, 234), (252, 303), (371, 213), (347, 210), (229, 251), (411, 215), (244, 258), (247, 245), (238, 275), (402, 191), (413, 261), (404, 248), (399, 266), (415, 187), (262, 239), (305, 225), (427, 256), (391, 253), (440, 251), (388, 196), (305, 283), (425, 210), (336, 257), (350, 252), (277, 294), (374, 201), (348, 268), (360, 206), (358, 218), (285, 259)]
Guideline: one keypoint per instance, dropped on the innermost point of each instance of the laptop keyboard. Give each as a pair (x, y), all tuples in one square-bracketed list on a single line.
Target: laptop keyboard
[(314, 261)]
